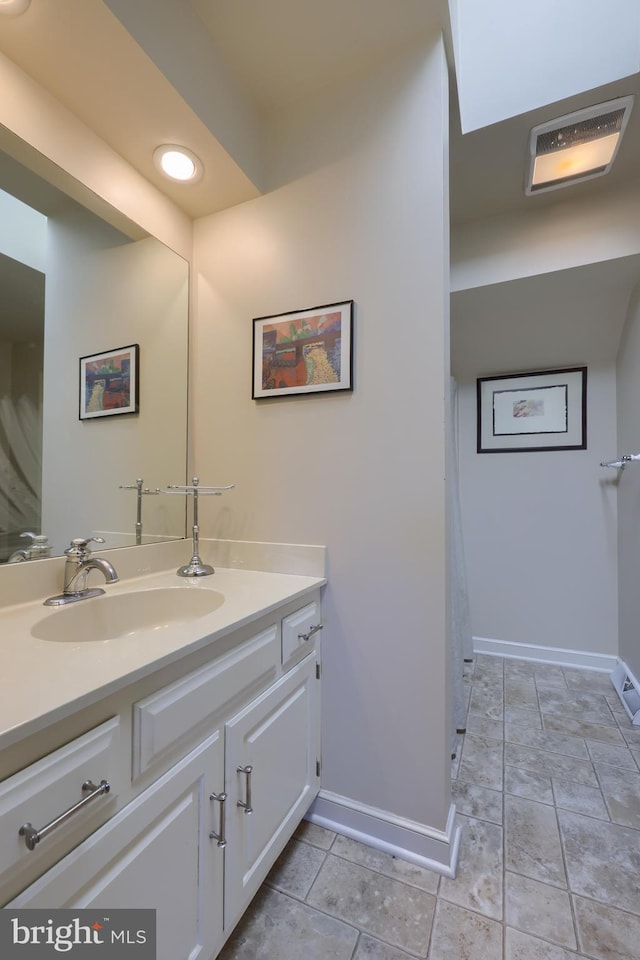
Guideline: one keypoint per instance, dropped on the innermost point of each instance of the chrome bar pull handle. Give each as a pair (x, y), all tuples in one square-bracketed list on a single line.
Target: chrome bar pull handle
[(246, 804), (32, 836), (222, 836), (312, 629)]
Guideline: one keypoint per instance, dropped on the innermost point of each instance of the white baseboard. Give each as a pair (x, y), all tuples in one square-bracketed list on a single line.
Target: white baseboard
[(407, 839), (557, 655)]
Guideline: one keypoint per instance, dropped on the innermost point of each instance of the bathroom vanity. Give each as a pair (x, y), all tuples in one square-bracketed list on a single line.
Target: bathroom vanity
[(197, 741)]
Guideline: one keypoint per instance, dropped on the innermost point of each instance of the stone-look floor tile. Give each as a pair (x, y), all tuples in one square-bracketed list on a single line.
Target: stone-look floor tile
[(578, 706), (579, 798), (530, 786), (547, 740), (607, 753), (532, 842), (387, 909), (518, 670), (617, 707), (539, 909), (486, 703), (487, 666), (315, 835), (549, 675), (583, 728), (481, 762), (463, 935), (478, 881), (621, 792), (489, 682), (593, 681), (520, 946), (520, 693), (455, 762), (527, 718), (485, 727), (386, 864), (370, 949), (277, 926), (631, 734), (549, 764), (603, 860), (475, 801), (606, 933), (636, 755), (296, 868)]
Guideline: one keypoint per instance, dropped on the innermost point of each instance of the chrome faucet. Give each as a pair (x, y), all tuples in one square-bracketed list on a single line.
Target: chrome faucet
[(78, 564)]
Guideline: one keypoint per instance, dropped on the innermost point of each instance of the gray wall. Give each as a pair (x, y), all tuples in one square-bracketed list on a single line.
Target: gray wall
[(358, 210), (540, 534), (628, 486), (541, 529)]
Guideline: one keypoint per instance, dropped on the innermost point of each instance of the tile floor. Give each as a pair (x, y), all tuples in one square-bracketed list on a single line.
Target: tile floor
[(547, 786)]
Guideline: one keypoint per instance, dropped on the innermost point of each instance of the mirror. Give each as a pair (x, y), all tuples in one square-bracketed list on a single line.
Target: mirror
[(73, 286)]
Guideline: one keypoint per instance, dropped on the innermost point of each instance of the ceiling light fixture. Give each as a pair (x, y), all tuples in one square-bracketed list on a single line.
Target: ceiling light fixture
[(177, 163), (12, 8), (578, 146)]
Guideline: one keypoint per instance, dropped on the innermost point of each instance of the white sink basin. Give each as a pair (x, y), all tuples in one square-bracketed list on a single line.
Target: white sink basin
[(126, 614)]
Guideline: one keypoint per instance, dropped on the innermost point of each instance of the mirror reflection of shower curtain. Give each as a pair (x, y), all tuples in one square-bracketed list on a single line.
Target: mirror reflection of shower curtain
[(461, 640), (20, 465)]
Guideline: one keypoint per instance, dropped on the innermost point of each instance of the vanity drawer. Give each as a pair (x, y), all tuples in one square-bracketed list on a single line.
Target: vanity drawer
[(40, 793), (298, 629), (181, 711)]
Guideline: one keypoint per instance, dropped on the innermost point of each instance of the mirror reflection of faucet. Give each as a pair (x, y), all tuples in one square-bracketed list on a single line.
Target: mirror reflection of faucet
[(38, 549), (79, 563)]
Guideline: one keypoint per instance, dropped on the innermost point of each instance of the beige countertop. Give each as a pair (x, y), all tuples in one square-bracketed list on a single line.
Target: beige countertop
[(42, 681)]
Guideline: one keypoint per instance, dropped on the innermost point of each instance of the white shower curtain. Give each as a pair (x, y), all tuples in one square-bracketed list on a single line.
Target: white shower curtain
[(461, 641), (20, 465)]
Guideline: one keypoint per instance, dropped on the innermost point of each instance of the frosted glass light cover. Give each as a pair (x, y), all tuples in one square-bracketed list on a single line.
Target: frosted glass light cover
[(177, 163), (574, 161)]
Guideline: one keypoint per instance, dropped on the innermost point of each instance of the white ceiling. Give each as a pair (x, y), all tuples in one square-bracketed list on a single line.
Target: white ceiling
[(283, 50), (557, 319), (277, 50), (487, 166)]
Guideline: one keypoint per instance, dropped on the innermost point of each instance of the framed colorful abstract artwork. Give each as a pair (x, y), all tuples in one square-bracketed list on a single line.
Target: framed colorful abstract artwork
[(109, 382), (304, 351)]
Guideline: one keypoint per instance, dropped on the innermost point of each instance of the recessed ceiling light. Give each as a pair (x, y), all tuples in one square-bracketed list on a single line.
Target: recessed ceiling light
[(578, 146), (177, 163), (13, 7)]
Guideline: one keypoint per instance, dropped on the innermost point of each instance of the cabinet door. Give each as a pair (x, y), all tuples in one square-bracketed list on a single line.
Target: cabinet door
[(277, 735), (154, 853)]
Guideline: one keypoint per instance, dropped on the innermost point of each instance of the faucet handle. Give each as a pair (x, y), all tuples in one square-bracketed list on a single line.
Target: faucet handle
[(79, 549)]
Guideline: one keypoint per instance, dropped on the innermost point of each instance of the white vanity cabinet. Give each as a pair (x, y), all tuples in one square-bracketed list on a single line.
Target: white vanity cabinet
[(224, 762), (272, 775), (154, 853)]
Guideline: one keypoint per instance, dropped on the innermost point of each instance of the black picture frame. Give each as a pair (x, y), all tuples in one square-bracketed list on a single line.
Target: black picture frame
[(303, 351), (110, 383), (532, 412)]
